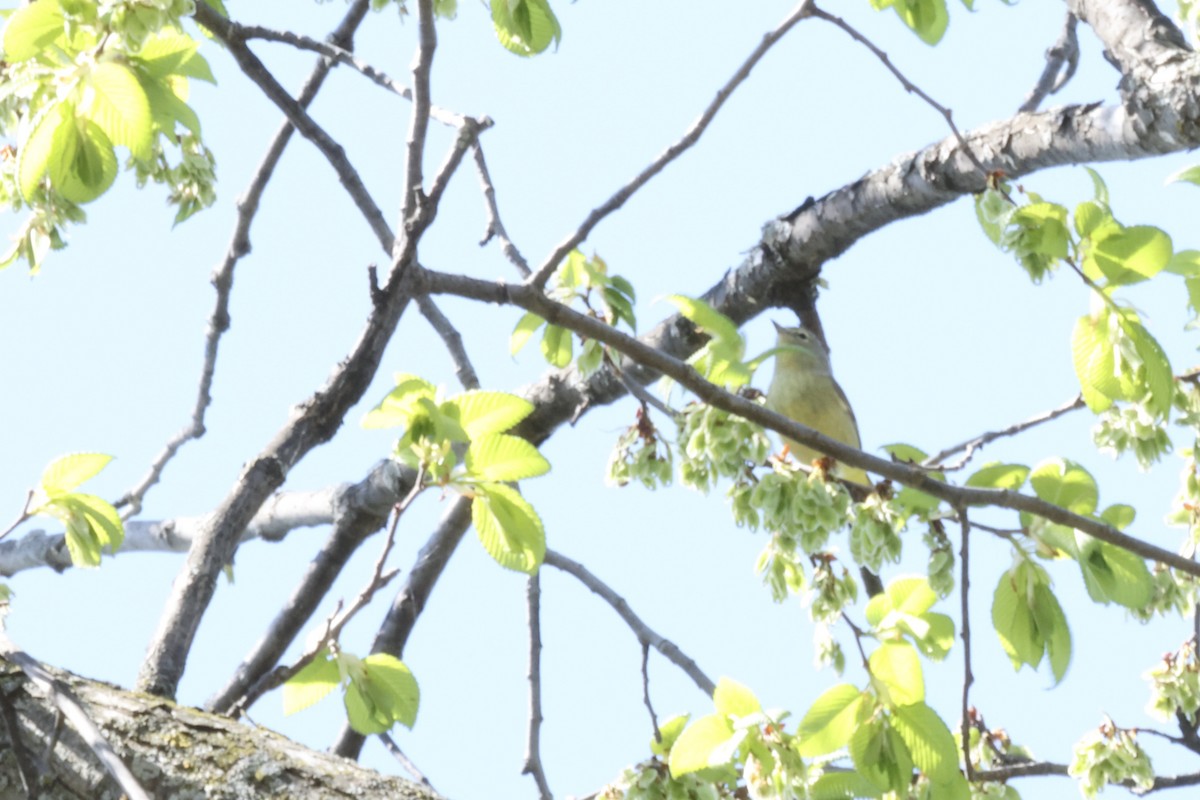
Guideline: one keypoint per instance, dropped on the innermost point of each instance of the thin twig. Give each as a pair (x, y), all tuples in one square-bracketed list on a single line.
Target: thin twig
[(1061, 61), (337, 620), (969, 447), (73, 710), (908, 85), (333, 152), (644, 633), (404, 760), (452, 339), (24, 515), (422, 105), (239, 247), (495, 228), (468, 134), (693, 134), (964, 555), (533, 748), (646, 691), (341, 56)]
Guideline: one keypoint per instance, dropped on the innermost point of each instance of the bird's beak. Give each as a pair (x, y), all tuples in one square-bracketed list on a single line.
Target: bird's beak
[(778, 327)]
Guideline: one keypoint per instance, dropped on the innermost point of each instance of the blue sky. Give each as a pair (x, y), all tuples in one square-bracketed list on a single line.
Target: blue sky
[(936, 337)]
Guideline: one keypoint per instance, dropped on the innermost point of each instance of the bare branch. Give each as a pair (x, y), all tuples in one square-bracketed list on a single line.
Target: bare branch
[(332, 629), (533, 748), (969, 447), (70, 707), (908, 85), (693, 134), (1061, 61), (239, 246), (410, 601), (422, 105), (341, 56), (404, 760), (964, 555), (299, 117), (644, 633), (532, 299), (452, 339), (494, 226)]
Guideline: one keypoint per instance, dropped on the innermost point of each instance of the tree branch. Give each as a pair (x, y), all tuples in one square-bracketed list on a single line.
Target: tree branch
[(645, 635), (533, 747), (239, 246), (1061, 61), (531, 299), (70, 707), (693, 134)]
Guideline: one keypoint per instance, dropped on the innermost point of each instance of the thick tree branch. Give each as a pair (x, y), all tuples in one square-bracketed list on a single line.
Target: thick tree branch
[(183, 752), (70, 707)]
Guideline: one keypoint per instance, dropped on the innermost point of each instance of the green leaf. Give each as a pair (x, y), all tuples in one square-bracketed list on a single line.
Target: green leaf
[(1187, 174), (120, 107), (669, 731), (842, 786), (500, 457), (1015, 625), (483, 412), (708, 319), (1185, 263), (1128, 255), (996, 475), (1113, 574), (169, 53), (508, 527), (311, 684), (929, 741), (167, 107), (914, 501), (1159, 380), (881, 756), (1095, 364), (82, 163), (624, 287), (1119, 515), (897, 667), (1067, 484), (939, 637), (1089, 216), (830, 721), (66, 473), (401, 404), (1053, 629), (525, 27), (31, 28), (91, 524), (382, 692), (557, 345), (735, 700), (926, 18), (1099, 187), (526, 326), (33, 155), (697, 742), (1045, 225)]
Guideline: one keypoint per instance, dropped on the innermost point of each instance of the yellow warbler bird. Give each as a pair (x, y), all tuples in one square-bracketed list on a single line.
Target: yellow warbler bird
[(803, 388)]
